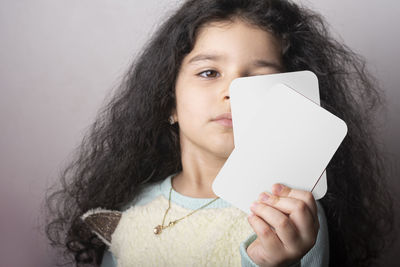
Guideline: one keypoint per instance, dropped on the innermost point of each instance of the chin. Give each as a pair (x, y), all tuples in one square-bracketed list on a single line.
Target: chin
[(223, 151)]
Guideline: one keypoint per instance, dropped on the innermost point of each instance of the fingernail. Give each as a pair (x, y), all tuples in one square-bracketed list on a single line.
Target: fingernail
[(278, 188), (253, 205), (264, 197)]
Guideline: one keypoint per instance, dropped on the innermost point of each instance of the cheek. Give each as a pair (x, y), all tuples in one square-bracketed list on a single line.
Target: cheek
[(194, 102)]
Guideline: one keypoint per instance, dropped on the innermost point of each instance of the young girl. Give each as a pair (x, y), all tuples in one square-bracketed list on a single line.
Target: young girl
[(152, 154)]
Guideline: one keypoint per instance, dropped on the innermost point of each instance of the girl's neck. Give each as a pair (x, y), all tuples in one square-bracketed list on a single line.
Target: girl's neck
[(193, 185), (199, 169)]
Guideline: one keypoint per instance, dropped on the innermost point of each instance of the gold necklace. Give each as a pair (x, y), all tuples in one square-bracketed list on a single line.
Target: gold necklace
[(159, 228)]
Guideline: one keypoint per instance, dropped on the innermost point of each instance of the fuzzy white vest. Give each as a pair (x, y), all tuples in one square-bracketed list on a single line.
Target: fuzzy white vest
[(209, 237)]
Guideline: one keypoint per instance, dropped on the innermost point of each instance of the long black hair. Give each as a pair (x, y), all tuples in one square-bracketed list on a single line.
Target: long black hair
[(131, 144)]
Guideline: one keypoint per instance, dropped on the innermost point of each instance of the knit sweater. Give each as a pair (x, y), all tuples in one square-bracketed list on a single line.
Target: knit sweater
[(217, 235)]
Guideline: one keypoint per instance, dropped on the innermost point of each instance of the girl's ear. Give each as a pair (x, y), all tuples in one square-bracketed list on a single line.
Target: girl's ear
[(173, 118)]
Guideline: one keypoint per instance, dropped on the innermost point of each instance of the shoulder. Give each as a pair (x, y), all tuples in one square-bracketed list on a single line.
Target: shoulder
[(147, 195), (103, 222)]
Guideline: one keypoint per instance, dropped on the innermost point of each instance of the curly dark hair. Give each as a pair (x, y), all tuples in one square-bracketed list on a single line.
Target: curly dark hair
[(131, 145)]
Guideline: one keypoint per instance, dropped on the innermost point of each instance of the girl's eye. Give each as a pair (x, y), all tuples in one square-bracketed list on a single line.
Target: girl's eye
[(209, 74)]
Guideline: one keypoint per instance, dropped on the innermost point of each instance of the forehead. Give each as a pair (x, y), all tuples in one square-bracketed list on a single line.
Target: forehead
[(236, 39)]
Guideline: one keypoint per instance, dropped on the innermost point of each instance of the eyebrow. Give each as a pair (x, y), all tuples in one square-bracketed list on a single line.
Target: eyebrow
[(268, 64), (213, 57), (202, 57)]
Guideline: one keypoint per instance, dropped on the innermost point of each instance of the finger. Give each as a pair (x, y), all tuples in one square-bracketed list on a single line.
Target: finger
[(281, 223), (297, 211), (288, 205), (265, 234), (306, 196)]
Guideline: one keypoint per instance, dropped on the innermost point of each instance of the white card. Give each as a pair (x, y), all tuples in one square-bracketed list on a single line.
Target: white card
[(304, 82), (288, 139), (244, 92)]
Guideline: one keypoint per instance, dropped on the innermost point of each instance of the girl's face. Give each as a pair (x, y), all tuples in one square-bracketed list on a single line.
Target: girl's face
[(223, 51)]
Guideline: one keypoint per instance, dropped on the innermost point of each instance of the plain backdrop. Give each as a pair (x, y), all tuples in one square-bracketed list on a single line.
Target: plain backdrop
[(60, 59)]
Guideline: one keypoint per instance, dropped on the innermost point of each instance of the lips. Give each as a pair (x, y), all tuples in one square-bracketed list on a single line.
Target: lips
[(224, 119), (225, 116)]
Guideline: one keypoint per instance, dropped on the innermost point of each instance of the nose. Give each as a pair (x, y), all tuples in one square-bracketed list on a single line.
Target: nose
[(227, 84), (225, 91), (225, 94)]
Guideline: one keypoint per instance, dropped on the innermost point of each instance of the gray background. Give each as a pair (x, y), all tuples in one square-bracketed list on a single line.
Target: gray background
[(60, 59)]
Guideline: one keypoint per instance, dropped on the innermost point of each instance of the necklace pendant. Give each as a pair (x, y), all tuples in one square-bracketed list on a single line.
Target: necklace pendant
[(157, 230)]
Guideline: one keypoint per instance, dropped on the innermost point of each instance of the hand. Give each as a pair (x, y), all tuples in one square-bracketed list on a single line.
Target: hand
[(286, 224)]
